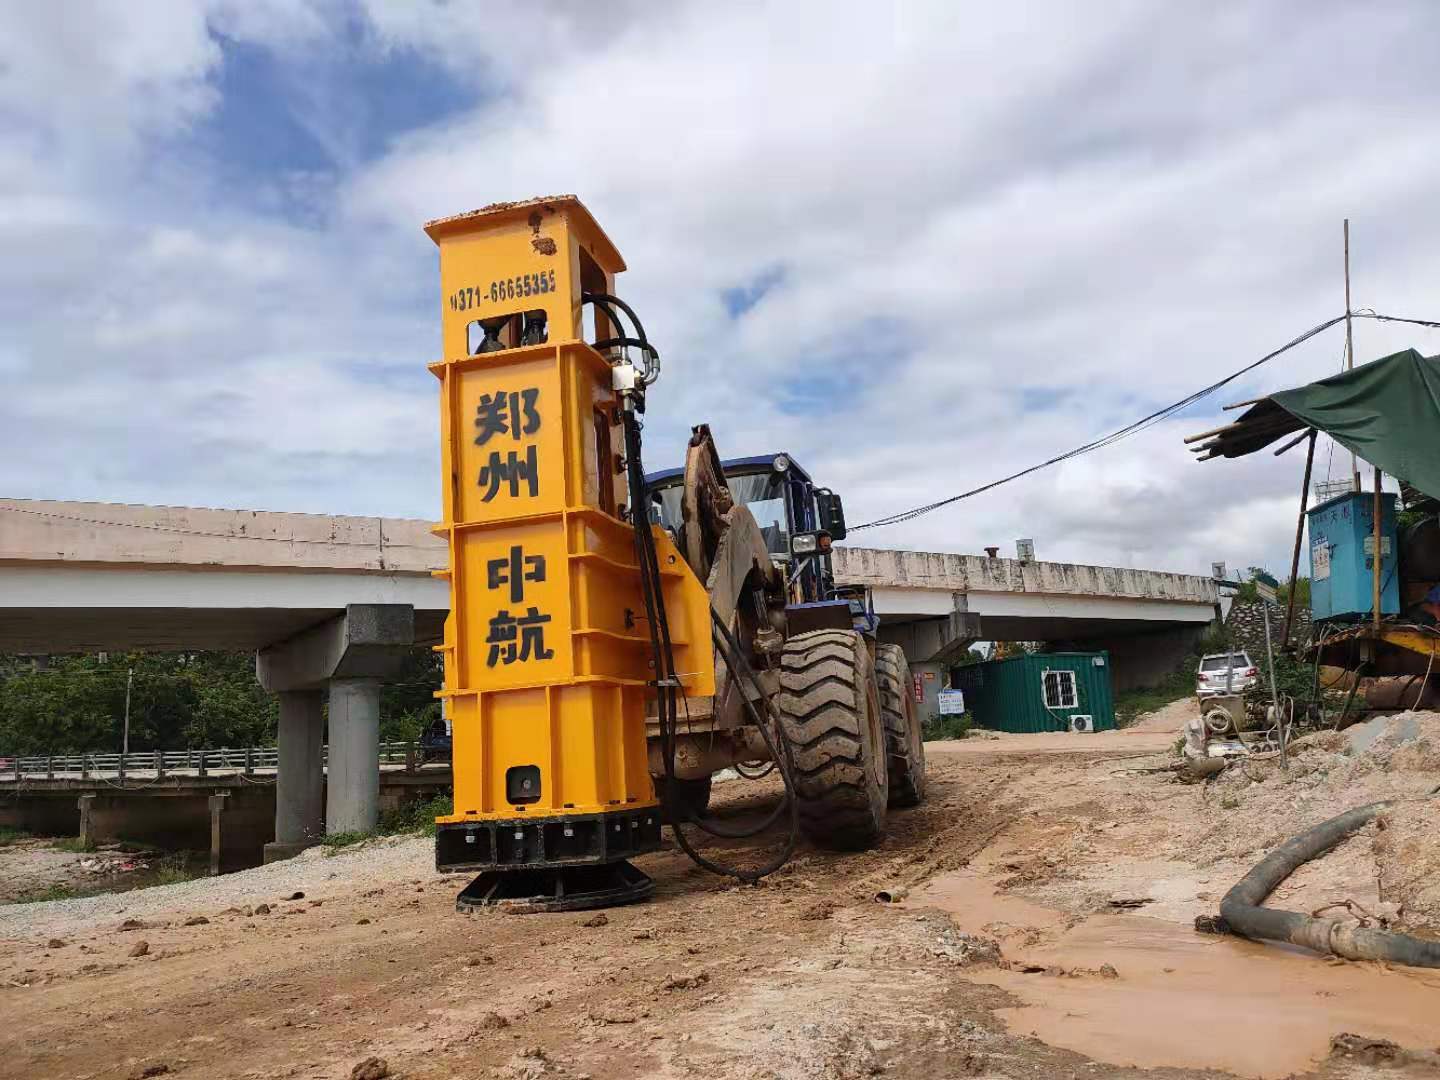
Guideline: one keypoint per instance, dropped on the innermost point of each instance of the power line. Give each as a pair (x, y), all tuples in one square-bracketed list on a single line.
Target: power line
[(892, 519), (1368, 313), (1115, 436)]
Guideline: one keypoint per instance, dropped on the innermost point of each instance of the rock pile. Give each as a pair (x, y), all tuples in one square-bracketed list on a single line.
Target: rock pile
[(1246, 625)]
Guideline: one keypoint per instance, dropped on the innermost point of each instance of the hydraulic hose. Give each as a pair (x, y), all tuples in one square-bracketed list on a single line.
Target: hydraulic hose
[(1241, 908), (666, 681), (607, 299), (641, 340), (781, 756)]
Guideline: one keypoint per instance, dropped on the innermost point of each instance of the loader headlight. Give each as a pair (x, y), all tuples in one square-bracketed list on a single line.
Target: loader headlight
[(781, 463), (810, 543)]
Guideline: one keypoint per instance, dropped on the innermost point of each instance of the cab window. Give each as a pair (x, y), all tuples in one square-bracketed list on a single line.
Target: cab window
[(764, 495)]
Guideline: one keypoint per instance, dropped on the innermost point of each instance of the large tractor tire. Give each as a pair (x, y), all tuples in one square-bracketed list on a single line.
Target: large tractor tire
[(829, 709), (904, 741)]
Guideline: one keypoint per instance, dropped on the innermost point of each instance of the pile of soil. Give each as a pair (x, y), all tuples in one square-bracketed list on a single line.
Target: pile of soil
[(1393, 865)]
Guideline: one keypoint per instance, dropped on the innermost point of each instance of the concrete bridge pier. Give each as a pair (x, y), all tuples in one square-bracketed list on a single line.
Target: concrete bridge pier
[(352, 797), (933, 646), (300, 779), (350, 655)]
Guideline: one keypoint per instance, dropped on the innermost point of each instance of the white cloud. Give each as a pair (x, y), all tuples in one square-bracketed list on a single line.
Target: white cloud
[(988, 236), (105, 71)]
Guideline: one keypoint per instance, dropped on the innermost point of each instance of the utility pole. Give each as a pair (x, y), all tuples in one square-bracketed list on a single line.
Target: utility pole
[(1299, 536), (1266, 586), (1378, 561), (125, 740), (1350, 350)]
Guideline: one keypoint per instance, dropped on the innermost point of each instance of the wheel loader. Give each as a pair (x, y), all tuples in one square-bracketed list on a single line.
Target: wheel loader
[(617, 638)]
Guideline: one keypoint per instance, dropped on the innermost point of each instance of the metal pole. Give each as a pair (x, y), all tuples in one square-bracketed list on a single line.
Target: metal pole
[(1379, 556), (125, 741), (1274, 693), (1299, 536), (1350, 349)]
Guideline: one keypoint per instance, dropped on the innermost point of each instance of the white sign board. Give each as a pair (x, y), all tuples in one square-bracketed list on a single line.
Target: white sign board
[(1266, 591), (1320, 559), (952, 702)]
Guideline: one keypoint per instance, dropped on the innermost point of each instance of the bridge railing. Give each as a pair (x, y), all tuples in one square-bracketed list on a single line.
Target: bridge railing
[(158, 764)]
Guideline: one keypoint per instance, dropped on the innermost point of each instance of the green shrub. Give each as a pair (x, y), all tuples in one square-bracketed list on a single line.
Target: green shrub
[(413, 819), (57, 892), (1292, 676), (417, 817), (335, 841), (177, 867), (946, 727)]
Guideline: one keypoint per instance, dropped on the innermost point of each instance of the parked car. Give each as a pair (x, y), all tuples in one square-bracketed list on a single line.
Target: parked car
[(1210, 679), (435, 743)]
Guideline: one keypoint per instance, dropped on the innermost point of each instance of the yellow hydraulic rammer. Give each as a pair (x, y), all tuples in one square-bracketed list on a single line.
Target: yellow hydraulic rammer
[(547, 655)]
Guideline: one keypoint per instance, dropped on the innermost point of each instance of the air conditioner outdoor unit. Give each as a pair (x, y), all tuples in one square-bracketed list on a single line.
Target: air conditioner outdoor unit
[(1082, 722)]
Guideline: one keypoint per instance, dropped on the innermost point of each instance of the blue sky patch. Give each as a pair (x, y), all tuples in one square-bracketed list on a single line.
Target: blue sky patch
[(1039, 399), (741, 298), (835, 379), (318, 113)]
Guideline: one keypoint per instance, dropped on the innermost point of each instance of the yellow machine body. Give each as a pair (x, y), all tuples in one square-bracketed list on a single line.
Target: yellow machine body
[(547, 652)]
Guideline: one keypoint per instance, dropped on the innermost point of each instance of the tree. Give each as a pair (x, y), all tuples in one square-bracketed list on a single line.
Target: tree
[(407, 703), (1247, 592), (178, 701)]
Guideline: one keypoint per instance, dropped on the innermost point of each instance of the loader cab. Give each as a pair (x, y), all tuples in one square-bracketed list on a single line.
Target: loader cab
[(785, 503)]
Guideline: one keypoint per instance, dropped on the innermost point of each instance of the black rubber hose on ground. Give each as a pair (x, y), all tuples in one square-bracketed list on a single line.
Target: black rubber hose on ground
[(1241, 908)]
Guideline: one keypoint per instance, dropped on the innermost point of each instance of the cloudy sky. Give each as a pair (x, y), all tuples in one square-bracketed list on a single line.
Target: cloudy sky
[(917, 247)]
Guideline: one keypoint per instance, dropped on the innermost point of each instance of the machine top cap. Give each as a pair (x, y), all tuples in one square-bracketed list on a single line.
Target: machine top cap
[(501, 212)]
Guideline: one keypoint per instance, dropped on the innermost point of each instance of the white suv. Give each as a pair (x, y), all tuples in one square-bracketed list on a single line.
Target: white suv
[(1211, 678)]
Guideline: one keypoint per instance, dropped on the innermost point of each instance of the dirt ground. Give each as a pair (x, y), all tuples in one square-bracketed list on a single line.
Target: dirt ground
[(1046, 933)]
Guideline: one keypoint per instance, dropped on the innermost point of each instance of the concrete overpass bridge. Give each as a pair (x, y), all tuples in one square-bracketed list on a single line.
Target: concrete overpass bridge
[(936, 605), (79, 577), (330, 604)]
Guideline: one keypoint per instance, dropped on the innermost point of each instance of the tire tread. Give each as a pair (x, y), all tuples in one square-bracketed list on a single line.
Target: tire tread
[(822, 705)]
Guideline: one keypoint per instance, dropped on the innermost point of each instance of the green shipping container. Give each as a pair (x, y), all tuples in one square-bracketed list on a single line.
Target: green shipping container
[(1039, 691)]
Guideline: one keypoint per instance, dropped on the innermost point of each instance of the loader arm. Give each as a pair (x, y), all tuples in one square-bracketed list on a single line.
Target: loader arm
[(723, 544)]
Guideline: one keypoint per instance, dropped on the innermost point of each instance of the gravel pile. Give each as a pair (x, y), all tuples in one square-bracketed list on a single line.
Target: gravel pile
[(316, 873)]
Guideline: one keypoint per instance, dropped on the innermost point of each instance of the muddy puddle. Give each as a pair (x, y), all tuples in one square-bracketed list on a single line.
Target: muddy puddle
[(1179, 998)]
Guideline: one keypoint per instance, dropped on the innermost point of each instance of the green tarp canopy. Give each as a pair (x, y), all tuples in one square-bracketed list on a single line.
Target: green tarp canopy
[(1387, 411)]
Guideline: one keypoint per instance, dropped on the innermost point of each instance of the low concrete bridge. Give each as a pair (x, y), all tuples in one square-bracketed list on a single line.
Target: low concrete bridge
[(222, 799), (78, 577), (330, 604), (935, 605)]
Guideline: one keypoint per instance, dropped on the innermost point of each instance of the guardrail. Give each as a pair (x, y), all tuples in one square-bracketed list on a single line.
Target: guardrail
[(158, 764)]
